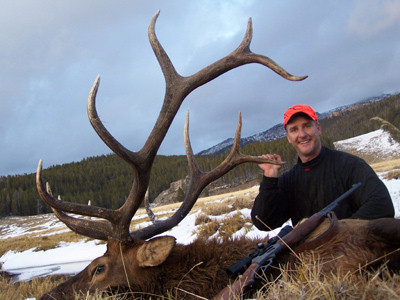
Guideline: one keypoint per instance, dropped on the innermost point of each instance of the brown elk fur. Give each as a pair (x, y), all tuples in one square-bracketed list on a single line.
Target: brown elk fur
[(358, 244), (200, 268)]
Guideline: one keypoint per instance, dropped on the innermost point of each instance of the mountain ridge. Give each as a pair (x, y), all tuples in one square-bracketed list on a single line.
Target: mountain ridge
[(277, 131)]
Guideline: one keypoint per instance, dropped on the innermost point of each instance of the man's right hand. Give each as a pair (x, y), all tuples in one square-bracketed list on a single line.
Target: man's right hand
[(270, 170)]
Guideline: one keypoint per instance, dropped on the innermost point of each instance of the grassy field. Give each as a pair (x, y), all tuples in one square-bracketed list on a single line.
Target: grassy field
[(386, 165), (306, 283)]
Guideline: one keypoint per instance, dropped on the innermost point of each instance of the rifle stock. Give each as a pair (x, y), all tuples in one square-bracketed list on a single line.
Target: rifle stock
[(238, 287), (302, 230), (293, 237)]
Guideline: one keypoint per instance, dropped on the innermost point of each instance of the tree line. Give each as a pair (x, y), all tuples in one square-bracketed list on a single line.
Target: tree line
[(107, 179)]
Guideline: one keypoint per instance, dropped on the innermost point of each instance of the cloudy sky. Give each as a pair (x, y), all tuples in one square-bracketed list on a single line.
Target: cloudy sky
[(52, 51)]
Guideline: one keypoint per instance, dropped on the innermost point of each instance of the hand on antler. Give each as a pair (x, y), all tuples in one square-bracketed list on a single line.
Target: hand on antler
[(270, 170)]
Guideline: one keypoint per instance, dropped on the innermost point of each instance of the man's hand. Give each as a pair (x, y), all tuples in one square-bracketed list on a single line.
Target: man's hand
[(270, 170)]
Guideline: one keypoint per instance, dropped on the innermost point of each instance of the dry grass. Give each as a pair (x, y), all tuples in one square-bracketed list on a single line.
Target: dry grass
[(395, 174), (232, 224), (39, 233), (389, 169), (209, 226), (225, 228), (38, 242), (208, 229), (386, 166), (34, 288), (308, 283), (230, 202)]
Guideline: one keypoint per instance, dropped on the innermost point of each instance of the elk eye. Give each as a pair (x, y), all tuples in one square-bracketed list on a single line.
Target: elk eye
[(98, 270)]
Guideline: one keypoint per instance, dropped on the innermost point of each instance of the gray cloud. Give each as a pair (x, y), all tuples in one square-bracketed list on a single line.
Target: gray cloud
[(52, 52)]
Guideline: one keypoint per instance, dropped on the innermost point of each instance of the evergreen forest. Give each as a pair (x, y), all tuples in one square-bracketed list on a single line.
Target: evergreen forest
[(106, 180)]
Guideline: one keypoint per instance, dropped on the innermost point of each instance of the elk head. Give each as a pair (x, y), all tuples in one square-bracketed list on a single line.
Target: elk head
[(127, 251)]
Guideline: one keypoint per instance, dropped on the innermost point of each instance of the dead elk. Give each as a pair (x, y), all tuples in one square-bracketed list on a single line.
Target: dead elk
[(113, 226), (161, 267), (138, 260)]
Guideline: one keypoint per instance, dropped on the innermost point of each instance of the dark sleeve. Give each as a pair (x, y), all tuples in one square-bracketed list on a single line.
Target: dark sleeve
[(270, 209), (373, 198)]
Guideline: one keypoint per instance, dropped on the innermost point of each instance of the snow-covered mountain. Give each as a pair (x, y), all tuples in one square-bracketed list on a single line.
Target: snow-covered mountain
[(277, 131), (274, 133), (374, 146)]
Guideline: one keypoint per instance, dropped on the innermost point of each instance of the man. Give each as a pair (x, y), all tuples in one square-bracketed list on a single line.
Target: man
[(319, 177)]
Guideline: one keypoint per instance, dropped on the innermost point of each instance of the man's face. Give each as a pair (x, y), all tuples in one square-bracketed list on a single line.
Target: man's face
[(304, 135)]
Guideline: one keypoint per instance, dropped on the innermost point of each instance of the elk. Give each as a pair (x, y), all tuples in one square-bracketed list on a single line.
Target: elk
[(142, 261)]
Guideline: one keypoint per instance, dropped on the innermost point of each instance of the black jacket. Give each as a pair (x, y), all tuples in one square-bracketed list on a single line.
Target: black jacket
[(309, 187)]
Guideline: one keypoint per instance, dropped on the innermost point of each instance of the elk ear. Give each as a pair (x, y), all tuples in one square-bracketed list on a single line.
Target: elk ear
[(155, 251)]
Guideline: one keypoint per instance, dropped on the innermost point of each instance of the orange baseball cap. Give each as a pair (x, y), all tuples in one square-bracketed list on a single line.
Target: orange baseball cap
[(299, 108)]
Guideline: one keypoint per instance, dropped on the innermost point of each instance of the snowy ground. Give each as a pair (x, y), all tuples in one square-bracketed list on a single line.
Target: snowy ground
[(378, 143), (70, 258)]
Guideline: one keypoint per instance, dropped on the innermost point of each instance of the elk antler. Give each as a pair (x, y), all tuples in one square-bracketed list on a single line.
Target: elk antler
[(117, 222)]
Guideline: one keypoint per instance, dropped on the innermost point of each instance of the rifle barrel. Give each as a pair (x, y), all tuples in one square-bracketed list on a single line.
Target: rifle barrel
[(331, 206)]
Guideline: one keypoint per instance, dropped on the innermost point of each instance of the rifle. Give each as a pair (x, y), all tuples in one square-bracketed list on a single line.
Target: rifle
[(256, 264)]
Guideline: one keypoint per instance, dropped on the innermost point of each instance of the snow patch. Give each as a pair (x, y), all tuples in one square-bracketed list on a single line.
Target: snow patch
[(378, 142)]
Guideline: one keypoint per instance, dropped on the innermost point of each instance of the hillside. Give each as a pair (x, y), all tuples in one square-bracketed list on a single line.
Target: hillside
[(277, 131), (374, 147), (106, 179)]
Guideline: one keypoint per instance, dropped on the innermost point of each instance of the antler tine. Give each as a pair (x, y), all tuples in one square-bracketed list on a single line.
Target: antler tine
[(166, 65), (193, 166), (140, 163), (95, 229), (75, 208), (244, 48), (150, 213), (100, 129), (245, 44), (234, 158), (199, 180), (92, 228), (240, 56), (192, 163)]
